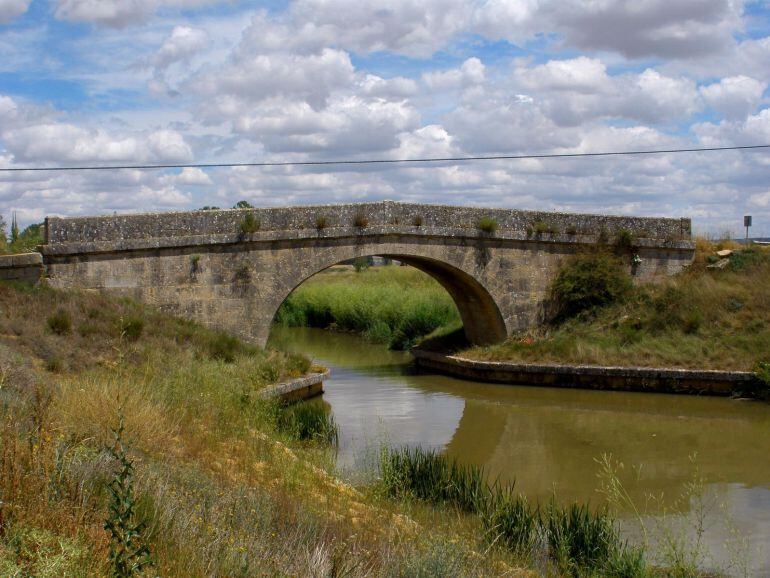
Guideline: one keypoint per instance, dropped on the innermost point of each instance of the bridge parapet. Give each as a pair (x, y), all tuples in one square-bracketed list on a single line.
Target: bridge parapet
[(154, 230)]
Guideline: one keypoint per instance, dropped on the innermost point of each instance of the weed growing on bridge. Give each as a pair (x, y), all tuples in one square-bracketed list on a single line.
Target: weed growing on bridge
[(321, 222), (250, 224), (540, 228), (360, 221), (417, 222), (487, 225)]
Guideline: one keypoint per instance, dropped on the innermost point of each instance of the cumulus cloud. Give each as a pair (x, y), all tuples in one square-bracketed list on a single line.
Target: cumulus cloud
[(681, 29), (469, 73), (577, 90), (734, 97), (10, 9), (117, 13), (183, 43)]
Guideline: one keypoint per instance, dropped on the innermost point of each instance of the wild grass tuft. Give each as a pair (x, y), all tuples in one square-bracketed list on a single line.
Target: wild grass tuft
[(487, 225), (60, 322), (321, 222), (308, 421), (360, 221)]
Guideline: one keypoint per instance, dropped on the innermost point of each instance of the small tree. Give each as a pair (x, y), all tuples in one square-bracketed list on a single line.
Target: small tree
[(243, 205), (129, 553)]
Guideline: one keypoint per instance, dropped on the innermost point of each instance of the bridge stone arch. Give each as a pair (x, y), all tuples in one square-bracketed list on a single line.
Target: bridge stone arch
[(481, 316), (210, 266)]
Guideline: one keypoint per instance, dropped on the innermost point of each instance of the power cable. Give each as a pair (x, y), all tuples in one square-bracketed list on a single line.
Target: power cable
[(383, 161)]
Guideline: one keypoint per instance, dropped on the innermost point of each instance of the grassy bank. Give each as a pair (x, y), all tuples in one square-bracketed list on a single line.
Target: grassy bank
[(391, 304), (700, 319), (219, 483)]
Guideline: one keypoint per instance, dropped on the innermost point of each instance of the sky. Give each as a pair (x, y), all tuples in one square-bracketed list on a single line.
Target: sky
[(204, 81)]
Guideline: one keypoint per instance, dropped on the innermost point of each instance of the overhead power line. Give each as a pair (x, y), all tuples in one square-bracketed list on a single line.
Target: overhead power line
[(383, 161)]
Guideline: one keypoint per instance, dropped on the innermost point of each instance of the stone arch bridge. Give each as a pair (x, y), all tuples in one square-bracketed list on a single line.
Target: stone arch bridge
[(232, 269)]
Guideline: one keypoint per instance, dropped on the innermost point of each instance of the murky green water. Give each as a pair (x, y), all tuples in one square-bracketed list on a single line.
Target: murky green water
[(549, 440)]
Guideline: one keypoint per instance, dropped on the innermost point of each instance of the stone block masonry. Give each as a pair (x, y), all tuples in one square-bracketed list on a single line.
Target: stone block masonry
[(27, 267), (211, 267)]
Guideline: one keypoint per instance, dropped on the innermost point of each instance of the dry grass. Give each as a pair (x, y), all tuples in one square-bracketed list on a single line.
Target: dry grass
[(223, 491), (700, 319)]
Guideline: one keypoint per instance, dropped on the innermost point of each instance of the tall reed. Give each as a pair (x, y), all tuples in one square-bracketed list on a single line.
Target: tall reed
[(578, 540)]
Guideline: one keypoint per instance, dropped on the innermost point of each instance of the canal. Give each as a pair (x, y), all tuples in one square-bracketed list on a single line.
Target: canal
[(694, 466)]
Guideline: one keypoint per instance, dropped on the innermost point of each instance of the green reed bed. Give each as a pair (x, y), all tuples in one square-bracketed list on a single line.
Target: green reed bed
[(576, 539), (391, 304), (308, 422)]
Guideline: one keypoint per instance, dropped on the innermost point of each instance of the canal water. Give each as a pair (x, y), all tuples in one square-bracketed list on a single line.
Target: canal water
[(693, 466)]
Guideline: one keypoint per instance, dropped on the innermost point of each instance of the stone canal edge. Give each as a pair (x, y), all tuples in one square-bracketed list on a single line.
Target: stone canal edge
[(297, 389), (645, 379)]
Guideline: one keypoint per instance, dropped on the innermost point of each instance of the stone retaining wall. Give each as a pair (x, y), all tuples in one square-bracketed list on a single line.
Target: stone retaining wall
[(26, 267), (647, 379), (297, 389)]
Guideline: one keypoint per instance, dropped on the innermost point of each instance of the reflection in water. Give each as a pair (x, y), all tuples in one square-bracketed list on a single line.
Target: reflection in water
[(549, 439)]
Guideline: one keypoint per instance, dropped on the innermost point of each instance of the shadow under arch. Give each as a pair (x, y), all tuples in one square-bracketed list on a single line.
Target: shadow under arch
[(482, 321)]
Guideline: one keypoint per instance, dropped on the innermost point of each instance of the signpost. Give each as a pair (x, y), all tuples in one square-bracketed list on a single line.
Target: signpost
[(747, 224)]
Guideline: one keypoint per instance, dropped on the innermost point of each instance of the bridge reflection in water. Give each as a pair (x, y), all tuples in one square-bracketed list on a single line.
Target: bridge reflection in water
[(548, 440)]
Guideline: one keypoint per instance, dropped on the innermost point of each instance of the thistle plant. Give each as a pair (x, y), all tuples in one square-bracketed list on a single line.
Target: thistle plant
[(129, 553)]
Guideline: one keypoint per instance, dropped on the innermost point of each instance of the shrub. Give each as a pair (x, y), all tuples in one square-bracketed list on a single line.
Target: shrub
[(321, 222), (224, 347), (624, 239), (417, 221), (487, 225), (588, 281), (572, 230), (361, 221), (60, 322), (250, 224), (361, 263), (308, 422), (131, 327)]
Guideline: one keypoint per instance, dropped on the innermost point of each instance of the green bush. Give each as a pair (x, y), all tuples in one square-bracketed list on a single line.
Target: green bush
[(321, 222), (360, 220), (588, 281), (131, 327), (250, 224), (60, 322), (487, 225), (624, 239)]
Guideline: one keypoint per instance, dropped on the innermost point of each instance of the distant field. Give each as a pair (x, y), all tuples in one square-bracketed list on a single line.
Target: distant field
[(388, 304)]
